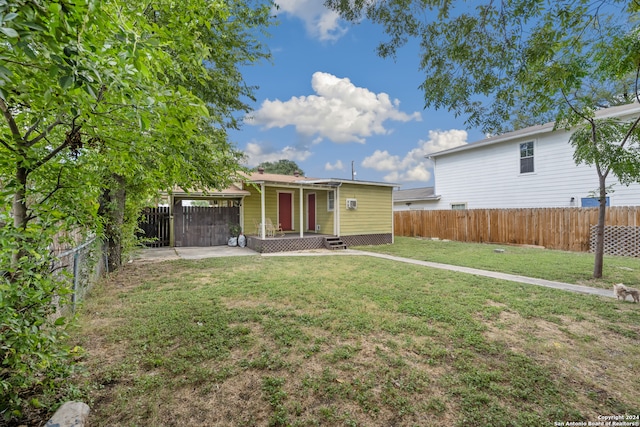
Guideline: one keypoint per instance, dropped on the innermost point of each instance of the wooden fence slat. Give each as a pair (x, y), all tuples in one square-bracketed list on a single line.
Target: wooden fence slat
[(554, 228)]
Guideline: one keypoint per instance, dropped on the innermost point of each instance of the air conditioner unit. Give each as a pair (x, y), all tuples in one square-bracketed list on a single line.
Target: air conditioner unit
[(352, 204)]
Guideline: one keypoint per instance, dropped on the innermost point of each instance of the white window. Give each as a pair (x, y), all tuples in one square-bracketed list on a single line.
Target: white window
[(352, 204), (458, 206), (331, 200), (526, 157)]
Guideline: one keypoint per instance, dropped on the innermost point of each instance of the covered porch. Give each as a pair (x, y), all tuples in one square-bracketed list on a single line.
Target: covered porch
[(288, 207)]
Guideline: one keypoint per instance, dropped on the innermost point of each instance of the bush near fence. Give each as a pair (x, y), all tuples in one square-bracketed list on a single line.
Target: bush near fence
[(567, 229)]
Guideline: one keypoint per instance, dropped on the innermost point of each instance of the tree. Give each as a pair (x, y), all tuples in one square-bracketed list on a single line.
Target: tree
[(100, 100), (282, 167), (208, 161), (559, 60)]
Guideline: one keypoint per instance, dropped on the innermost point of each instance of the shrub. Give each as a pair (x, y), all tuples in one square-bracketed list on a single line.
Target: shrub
[(33, 357)]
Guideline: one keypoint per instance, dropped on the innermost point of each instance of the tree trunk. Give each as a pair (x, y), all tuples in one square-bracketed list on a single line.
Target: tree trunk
[(20, 215), (111, 210), (602, 212)]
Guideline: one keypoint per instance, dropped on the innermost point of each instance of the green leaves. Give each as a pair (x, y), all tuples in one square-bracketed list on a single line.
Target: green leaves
[(481, 60), (90, 90)]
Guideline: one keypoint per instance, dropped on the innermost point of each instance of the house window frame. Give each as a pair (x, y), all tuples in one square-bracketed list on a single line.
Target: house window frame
[(331, 200), (461, 206), (590, 202), (532, 157)]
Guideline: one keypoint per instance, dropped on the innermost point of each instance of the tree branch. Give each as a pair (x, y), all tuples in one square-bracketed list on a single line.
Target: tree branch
[(10, 120), (31, 129), (44, 133), (7, 146), (635, 123), (55, 189), (49, 156), (578, 113)]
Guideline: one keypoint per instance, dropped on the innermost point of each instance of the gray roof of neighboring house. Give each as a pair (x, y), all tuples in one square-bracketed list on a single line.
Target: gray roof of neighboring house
[(414, 194), (621, 110)]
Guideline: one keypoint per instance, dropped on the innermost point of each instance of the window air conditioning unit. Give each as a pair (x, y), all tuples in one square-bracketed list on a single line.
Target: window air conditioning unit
[(352, 204)]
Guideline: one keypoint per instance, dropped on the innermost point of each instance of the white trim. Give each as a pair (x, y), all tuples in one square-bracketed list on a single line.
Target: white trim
[(535, 150), (451, 205), (393, 228), (263, 215), (336, 213), (301, 212), (332, 191)]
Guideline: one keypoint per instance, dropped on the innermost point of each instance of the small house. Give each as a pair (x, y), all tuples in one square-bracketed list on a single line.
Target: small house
[(284, 213)]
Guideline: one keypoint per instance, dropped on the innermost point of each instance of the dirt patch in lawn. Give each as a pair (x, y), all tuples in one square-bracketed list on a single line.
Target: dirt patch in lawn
[(585, 354)]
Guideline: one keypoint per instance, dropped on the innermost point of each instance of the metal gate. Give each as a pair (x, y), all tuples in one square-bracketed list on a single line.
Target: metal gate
[(155, 227), (204, 226)]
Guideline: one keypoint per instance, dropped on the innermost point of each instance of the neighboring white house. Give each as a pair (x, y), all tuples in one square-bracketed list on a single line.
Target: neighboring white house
[(528, 168), (414, 199)]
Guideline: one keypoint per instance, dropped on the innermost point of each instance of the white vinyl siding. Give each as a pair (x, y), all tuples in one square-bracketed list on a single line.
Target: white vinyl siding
[(489, 177)]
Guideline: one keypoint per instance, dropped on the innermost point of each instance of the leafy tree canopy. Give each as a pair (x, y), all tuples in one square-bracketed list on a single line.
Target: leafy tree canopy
[(115, 97), (282, 167), (483, 59)]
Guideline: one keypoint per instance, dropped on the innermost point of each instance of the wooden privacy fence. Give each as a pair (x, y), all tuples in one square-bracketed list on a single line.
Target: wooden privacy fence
[(554, 228), (155, 226)]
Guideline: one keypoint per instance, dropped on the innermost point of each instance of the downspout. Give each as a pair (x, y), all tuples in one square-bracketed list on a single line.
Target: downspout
[(172, 231)]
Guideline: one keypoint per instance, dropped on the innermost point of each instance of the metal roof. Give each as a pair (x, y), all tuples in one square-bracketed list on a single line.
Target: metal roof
[(414, 194)]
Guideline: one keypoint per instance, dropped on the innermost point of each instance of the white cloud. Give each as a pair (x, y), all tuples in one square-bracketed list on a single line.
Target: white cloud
[(258, 153), (337, 166), (414, 166), (320, 22), (439, 140), (340, 111)]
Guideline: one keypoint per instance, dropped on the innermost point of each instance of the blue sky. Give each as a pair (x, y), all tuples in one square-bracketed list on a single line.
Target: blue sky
[(326, 100)]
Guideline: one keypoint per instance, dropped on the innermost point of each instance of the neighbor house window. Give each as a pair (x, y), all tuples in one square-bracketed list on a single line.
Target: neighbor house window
[(458, 206), (331, 200), (526, 157), (592, 202)]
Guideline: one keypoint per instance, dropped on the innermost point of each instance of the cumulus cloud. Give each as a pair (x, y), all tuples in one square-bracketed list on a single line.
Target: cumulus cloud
[(333, 167), (320, 22), (414, 166), (257, 153), (340, 111)]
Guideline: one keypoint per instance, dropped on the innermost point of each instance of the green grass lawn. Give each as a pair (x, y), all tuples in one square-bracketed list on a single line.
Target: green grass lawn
[(568, 267), (353, 341)]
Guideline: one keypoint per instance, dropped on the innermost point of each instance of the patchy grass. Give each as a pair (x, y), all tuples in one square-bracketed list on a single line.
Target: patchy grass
[(286, 341), (561, 266)]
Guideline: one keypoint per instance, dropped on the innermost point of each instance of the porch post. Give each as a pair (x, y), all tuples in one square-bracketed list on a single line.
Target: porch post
[(262, 211), (336, 211), (172, 228), (301, 212)]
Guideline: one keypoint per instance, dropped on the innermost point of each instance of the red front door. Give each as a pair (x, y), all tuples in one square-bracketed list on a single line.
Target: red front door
[(285, 204), (311, 215)]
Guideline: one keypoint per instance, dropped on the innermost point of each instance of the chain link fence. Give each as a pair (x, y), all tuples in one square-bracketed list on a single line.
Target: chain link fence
[(83, 266)]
